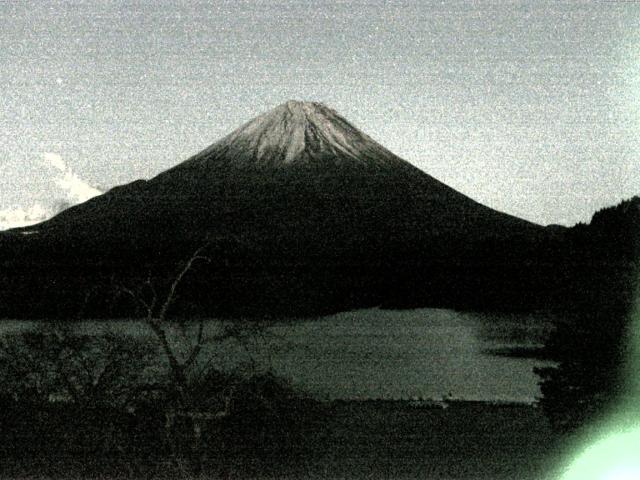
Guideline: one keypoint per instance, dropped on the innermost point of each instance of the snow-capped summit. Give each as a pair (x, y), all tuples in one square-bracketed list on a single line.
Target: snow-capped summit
[(301, 133)]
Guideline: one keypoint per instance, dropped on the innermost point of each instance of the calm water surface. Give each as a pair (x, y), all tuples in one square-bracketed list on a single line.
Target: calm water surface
[(376, 353)]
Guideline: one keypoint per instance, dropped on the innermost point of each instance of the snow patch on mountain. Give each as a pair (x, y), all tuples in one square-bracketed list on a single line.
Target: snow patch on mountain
[(298, 133), (21, 217)]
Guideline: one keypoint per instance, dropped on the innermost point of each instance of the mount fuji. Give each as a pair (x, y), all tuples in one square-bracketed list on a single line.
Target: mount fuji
[(303, 209), (300, 161)]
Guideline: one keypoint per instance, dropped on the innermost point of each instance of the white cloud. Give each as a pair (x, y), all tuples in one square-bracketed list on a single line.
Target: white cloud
[(55, 161), (76, 189), (20, 217)]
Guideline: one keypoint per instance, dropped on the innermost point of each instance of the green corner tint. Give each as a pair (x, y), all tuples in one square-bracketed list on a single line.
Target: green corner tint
[(613, 453)]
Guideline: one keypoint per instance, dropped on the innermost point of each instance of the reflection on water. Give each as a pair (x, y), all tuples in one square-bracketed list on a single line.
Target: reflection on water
[(378, 353)]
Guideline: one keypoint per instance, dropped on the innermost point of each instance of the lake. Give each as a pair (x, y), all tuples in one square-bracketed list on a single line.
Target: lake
[(373, 353)]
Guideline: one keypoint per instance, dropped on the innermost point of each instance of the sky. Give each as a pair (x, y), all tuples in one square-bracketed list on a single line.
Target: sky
[(531, 107)]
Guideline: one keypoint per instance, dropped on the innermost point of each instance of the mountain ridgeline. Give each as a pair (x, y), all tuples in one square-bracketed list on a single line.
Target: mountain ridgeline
[(299, 213)]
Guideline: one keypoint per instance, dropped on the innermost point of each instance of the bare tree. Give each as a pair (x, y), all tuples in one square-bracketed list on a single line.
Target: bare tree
[(202, 402), (156, 308), (183, 407), (57, 362)]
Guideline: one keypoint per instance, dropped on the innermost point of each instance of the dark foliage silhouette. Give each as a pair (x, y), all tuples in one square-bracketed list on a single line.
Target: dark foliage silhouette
[(106, 400), (591, 346)]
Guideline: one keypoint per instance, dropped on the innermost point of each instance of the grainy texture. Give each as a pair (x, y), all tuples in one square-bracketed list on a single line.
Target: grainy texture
[(516, 113), (528, 106)]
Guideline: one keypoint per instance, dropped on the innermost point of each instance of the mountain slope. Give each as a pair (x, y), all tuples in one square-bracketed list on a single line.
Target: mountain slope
[(304, 210), (299, 156)]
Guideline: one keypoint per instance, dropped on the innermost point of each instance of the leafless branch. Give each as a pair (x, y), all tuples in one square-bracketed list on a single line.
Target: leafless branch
[(148, 307), (198, 346), (176, 282)]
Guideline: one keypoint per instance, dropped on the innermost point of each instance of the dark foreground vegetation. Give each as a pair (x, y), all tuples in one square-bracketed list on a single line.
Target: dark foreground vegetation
[(333, 440), (80, 406), (63, 440), (594, 346), (77, 405), (85, 405)]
